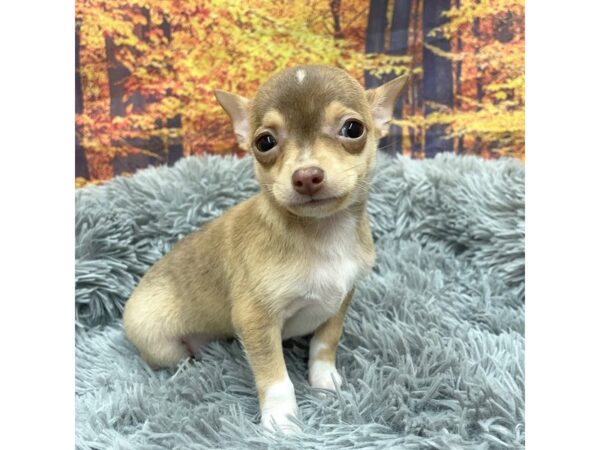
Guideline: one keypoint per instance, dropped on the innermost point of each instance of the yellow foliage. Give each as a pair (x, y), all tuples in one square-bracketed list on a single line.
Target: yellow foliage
[(213, 44), (176, 53)]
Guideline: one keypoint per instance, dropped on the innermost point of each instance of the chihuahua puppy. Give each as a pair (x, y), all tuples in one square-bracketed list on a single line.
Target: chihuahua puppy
[(284, 262)]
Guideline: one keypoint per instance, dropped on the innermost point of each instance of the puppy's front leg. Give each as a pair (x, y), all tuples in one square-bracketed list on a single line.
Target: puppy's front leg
[(261, 337), (323, 347)]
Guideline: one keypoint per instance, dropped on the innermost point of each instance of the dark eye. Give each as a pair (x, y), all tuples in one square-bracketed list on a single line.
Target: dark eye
[(265, 143), (352, 129)]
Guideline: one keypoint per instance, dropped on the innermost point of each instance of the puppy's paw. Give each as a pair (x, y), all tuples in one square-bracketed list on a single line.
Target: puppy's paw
[(279, 419), (280, 407), (324, 375)]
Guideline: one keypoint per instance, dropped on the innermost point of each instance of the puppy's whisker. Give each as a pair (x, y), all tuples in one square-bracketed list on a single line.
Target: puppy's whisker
[(385, 147), (352, 168)]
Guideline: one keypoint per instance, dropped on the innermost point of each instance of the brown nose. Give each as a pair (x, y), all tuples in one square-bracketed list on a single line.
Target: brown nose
[(308, 181)]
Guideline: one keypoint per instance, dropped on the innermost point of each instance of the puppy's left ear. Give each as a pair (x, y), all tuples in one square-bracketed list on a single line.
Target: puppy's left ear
[(382, 100), (236, 108)]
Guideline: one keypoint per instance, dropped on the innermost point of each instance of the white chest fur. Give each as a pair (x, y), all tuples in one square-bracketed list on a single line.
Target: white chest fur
[(334, 266)]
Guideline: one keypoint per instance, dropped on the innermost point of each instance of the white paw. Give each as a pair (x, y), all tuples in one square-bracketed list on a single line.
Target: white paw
[(279, 407), (274, 419), (324, 375)]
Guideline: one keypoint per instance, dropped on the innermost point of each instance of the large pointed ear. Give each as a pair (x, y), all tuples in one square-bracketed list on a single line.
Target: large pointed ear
[(236, 107), (382, 101)]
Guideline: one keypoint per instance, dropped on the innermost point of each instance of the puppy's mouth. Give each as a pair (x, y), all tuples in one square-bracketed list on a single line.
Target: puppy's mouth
[(317, 202), (313, 202)]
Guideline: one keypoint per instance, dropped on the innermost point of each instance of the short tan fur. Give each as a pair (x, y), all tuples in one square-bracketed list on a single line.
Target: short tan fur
[(284, 262)]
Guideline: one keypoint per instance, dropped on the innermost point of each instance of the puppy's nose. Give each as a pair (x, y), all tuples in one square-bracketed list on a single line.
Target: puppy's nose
[(308, 181)]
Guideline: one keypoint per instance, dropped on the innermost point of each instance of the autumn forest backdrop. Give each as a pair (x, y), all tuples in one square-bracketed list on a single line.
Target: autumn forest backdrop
[(146, 72)]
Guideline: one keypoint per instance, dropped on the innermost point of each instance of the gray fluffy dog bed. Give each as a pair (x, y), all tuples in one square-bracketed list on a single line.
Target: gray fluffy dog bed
[(432, 350)]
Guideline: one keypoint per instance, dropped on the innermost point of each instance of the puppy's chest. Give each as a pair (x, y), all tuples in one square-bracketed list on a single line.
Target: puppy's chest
[(327, 281), (319, 290)]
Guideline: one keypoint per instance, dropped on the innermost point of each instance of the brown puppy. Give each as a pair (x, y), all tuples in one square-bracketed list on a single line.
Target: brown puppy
[(284, 262)]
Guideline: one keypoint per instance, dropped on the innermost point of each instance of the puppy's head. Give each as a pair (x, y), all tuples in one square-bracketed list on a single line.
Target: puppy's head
[(313, 132)]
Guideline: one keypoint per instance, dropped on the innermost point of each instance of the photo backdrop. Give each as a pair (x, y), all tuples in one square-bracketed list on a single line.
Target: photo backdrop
[(146, 72)]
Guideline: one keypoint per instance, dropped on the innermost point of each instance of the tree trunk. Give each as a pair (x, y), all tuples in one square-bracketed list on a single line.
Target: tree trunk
[(504, 32), (117, 74), (375, 40), (81, 166), (478, 145), (174, 146), (398, 47), (437, 72), (415, 85), (335, 6), (375, 43), (479, 79), (459, 47)]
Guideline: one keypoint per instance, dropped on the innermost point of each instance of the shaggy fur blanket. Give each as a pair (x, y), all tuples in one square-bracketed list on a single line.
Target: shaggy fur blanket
[(432, 350)]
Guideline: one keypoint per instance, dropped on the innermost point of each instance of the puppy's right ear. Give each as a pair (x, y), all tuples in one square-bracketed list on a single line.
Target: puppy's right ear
[(382, 101), (236, 108)]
